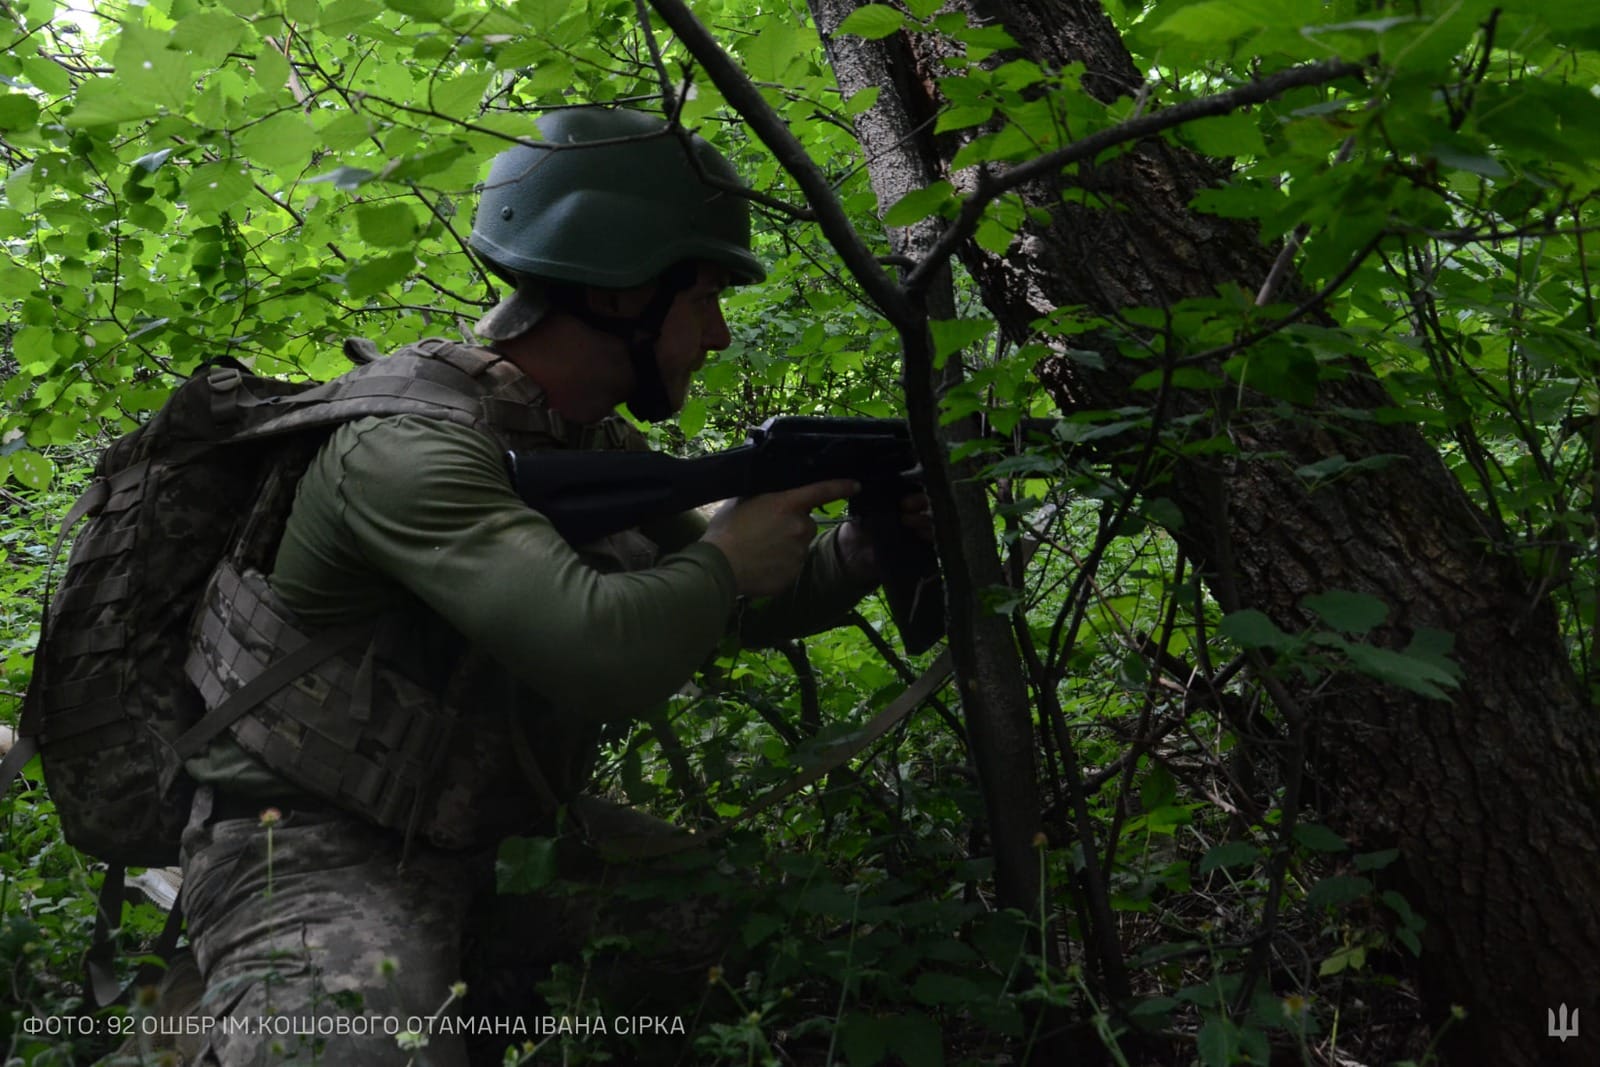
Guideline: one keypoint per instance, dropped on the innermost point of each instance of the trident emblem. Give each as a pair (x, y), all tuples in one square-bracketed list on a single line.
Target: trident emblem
[(1561, 1026)]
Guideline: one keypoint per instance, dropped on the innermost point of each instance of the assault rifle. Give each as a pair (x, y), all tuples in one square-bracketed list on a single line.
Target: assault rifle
[(587, 495)]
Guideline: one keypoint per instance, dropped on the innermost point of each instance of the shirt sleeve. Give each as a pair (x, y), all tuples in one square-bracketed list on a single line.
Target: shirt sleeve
[(426, 505), (819, 599)]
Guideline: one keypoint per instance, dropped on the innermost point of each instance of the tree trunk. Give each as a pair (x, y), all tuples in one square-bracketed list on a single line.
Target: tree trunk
[(994, 695), (1492, 797)]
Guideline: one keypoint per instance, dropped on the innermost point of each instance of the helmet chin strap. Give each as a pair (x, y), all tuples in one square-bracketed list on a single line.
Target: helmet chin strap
[(648, 400)]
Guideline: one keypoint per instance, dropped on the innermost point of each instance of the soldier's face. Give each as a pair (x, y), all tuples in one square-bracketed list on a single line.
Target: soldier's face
[(693, 328)]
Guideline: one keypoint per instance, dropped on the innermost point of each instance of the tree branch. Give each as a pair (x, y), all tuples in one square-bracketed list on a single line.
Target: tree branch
[(992, 186), (669, 99), (742, 94)]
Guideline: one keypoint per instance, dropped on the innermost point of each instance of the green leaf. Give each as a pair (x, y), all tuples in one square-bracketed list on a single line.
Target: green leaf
[(285, 141), (1027, 463), (47, 75), (934, 988), (915, 1039), (862, 100), (1473, 162), (271, 69), (919, 204), (994, 236), (1319, 838), (376, 275), (1352, 613), (525, 864), (873, 21), (17, 282), (33, 470), (21, 193), (151, 71), (411, 167), (425, 10), (209, 35), (346, 178), (1226, 136), (1376, 861), (1416, 673), (1252, 629), (1337, 465), (760, 926), (983, 41), (151, 162), (102, 102), (1433, 647), (216, 187), (1218, 1041), (388, 225), (1011, 143), (692, 419), (344, 130), (963, 117), (775, 48), (1351, 957), (1165, 820), (1285, 372), (1215, 22), (1230, 854), (1338, 889), (462, 95), (18, 111), (1153, 1011), (1180, 378), (865, 1039), (1158, 789), (343, 16), (145, 329), (541, 16), (1401, 907), (952, 335)]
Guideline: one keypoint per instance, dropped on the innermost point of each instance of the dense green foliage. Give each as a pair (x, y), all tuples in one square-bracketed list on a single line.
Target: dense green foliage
[(262, 178)]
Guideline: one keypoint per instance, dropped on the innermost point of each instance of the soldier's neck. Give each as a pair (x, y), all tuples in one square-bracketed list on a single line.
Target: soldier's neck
[(584, 373)]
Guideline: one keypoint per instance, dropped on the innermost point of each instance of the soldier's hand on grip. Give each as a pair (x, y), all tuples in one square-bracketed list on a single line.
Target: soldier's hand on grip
[(766, 537)]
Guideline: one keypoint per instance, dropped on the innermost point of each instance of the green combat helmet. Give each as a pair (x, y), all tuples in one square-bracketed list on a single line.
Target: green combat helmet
[(609, 198)]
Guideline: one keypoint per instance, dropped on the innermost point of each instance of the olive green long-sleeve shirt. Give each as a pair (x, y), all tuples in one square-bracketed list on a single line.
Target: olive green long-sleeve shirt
[(408, 511)]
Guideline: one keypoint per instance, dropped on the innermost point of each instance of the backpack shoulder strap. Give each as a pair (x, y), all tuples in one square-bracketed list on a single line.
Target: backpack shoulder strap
[(440, 379)]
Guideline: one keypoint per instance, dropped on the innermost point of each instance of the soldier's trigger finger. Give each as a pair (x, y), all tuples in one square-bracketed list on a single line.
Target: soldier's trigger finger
[(816, 494)]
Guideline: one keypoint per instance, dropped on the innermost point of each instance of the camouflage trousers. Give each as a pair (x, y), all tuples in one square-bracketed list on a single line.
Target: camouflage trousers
[(316, 945)]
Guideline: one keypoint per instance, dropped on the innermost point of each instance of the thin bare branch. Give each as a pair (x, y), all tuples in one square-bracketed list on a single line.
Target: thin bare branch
[(743, 95), (669, 99), (991, 186)]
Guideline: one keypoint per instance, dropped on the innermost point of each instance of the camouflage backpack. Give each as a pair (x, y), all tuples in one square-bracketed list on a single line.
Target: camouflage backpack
[(110, 710)]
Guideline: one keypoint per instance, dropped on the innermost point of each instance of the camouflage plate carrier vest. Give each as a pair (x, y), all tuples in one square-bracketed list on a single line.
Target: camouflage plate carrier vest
[(370, 729)]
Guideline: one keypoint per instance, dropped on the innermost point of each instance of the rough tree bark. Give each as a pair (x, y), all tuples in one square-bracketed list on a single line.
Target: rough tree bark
[(1493, 797)]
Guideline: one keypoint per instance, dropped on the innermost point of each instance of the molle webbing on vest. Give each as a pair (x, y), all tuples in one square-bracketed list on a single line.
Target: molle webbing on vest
[(365, 730), (353, 730)]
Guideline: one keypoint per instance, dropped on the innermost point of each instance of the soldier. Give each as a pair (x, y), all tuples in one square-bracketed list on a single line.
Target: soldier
[(488, 650)]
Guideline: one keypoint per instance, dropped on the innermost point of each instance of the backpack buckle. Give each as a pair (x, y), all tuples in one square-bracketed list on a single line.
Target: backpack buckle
[(224, 383), (224, 379)]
